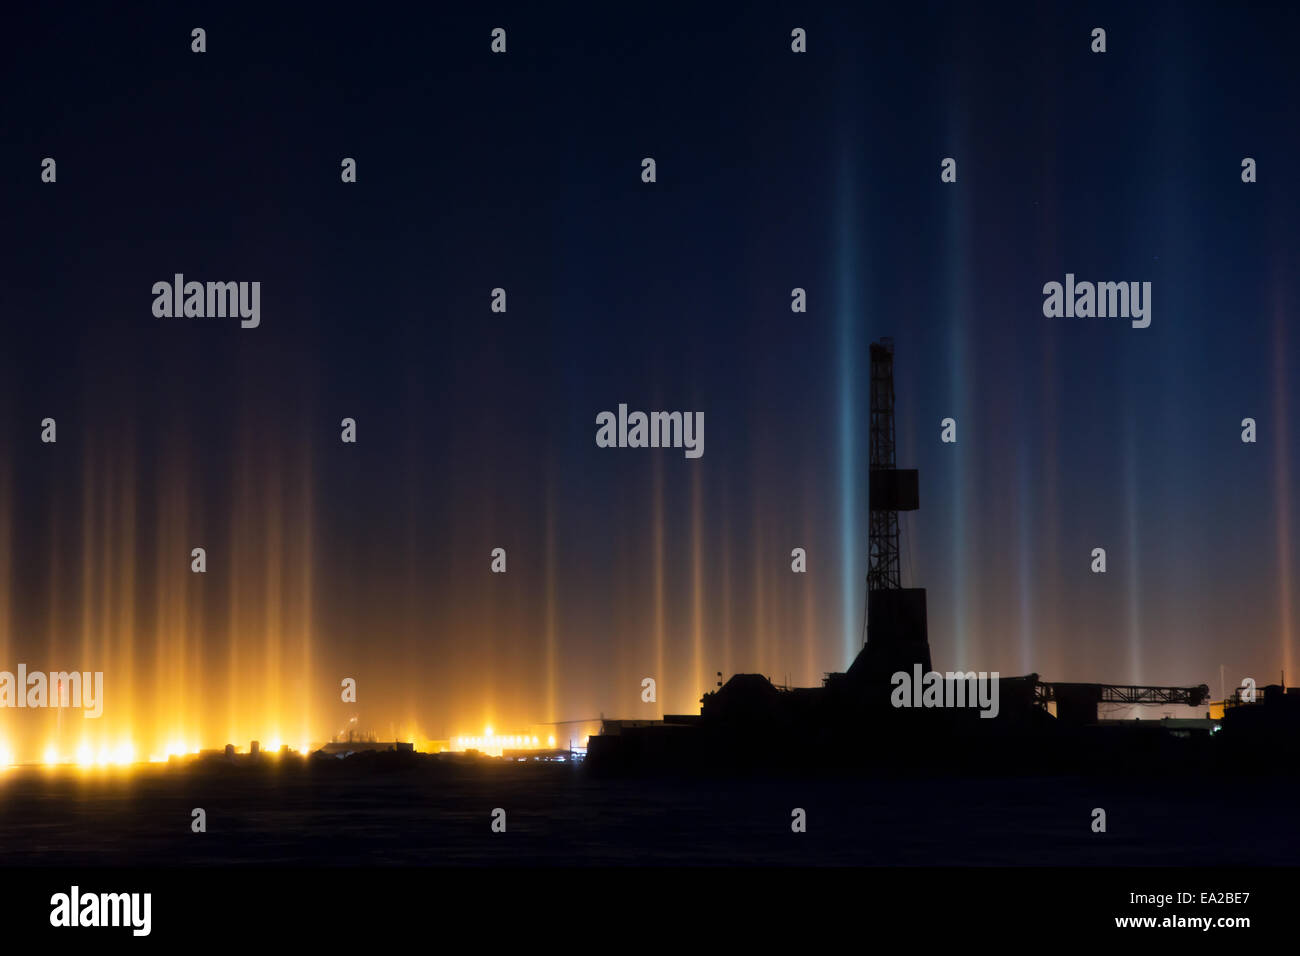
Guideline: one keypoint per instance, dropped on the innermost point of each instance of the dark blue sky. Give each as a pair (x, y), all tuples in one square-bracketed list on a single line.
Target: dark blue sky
[(476, 430)]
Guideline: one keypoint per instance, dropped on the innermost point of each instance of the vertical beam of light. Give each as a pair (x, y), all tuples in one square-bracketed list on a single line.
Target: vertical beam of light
[(89, 552), (182, 678), (488, 628), (272, 629), (204, 607), (552, 599), (1282, 490), (1133, 577), (105, 605), (957, 288), (846, 316), (199, 606), (727, 596), (697, 591), (119, 598), (658, 517), (9, 746), (236, 599), (53, 617), (629, 581), (1049, 509), (168, 630), (411, 605), (1025, 566), (121, 631), (1046, 422), (809, 590), (758, 649), (307, 720)]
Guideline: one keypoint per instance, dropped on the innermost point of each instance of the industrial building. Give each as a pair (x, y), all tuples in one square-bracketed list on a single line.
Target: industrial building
[(851, 720)]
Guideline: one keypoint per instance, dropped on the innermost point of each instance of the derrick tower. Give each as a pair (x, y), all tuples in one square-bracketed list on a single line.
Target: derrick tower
[(896, 633)]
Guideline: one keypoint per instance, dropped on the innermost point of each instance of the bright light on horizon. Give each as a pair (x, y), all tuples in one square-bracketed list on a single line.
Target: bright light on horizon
[(113, 750), (493, 744)]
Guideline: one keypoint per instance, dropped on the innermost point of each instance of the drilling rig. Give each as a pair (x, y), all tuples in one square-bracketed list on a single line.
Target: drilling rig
[(896, 636), (852, 717)]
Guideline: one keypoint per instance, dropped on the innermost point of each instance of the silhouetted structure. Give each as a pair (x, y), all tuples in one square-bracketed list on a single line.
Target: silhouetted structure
[(874, 714), (1078, 703), (1265, 731), (896, 632)]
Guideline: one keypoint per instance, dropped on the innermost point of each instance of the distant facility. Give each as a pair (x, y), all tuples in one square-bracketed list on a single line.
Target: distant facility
[(890, 710)]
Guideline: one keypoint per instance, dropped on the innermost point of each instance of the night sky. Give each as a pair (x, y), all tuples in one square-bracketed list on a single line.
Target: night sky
[(476, 429)]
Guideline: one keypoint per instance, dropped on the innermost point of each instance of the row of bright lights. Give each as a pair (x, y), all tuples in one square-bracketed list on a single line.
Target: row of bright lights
[(490, 741), (118, 756), (121, 755), (125, 753)]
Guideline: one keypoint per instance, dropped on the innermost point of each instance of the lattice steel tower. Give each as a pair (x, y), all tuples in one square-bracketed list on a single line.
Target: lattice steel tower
[(894, 625), (884, 571)]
